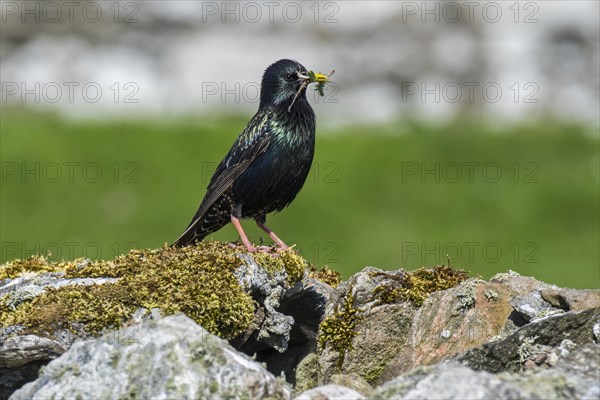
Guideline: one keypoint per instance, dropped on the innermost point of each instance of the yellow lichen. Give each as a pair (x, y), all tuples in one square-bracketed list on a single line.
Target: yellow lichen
[(196, 280)]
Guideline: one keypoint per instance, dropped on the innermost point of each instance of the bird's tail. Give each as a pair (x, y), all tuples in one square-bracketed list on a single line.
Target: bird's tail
[(188, 237), (200, 227)]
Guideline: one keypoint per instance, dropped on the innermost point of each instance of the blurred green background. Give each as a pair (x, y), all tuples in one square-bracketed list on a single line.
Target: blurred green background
[(524, 197)]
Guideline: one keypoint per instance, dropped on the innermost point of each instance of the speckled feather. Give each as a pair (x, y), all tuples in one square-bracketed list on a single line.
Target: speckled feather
[(268, 163)]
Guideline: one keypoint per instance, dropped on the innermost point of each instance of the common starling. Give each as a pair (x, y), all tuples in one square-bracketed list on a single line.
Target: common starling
[(268, 163)]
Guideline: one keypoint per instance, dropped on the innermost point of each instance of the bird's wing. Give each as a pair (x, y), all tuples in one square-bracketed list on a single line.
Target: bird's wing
[(250, 144)]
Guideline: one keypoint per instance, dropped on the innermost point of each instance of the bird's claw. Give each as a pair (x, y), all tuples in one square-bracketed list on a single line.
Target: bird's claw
[(259, 249)]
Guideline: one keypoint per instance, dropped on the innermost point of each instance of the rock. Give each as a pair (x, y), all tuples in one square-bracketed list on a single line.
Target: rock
[(268, 289), (571, 299), (307, 373), (23, 354), (307, 306), (353, 381), (376, 318), (363, 333), (532, 306), (509, 353), (384, 329), (172, 357), (13, 378), (252, 300), (450, 322), (20, 350), (416, 330), (574, 377), (330, 392)]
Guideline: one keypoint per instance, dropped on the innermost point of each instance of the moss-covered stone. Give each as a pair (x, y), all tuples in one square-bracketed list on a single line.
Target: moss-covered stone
[(294, 265), (196, 280), (417, 285), (339, 328), (307, 376), (34, 264)]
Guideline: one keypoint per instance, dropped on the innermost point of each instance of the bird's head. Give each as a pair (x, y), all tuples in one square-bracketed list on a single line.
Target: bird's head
[(284, 81)]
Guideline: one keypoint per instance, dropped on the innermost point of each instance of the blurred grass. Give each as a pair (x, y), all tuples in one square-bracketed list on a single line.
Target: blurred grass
[(366, 202)]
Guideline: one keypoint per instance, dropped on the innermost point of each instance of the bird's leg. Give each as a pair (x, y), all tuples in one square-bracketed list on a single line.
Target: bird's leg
[(238, 226), (261, 224), (236, 214)]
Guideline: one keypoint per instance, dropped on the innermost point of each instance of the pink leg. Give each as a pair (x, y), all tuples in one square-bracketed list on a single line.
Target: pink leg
[(238, 226), (282, 246)]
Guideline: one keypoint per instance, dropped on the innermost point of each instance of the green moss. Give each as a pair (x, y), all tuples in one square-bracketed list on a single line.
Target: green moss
[(417, 285), (294, 265), (339, 328), (196, 280), (373, 375), (35, 264), (326, 275)]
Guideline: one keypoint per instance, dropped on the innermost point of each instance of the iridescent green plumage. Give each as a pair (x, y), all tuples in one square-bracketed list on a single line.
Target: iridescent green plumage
[(268, 163)]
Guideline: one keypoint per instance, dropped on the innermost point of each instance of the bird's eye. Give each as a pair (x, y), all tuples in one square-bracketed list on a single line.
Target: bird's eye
[(291, 77)]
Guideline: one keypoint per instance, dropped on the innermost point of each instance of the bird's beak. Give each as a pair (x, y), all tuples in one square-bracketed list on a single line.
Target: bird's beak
[(314, 77)]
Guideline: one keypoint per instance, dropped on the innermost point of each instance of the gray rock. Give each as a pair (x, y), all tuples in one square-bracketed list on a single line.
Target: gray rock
[(307, 373), (330, 392), (353, 381), (13, 378), (532, 306), (382, 329), (268, 290), (394, 338), (172, 357), (304, 304), (274, 337), (20, 350), (574, 377), (571, 299), (510, 352), (30, 285), (22, 355)]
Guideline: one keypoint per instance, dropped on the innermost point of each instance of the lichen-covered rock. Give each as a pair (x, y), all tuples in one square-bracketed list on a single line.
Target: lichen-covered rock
[(571, 299), (371, 321), (307, 373), (172, 357), (353, 381), (371, 329), (268, 287), (22, 349), (330, 392), (247, 299), (535, 341), (387, 323), (532, 306), (450, 322), (574, 377)]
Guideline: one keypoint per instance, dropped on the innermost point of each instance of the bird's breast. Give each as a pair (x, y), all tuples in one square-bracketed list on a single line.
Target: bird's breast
[(274, 179)]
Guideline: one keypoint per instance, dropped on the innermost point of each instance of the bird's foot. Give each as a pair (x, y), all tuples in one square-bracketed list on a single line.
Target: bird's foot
[(254, 249), (241, 247), (265, 249)]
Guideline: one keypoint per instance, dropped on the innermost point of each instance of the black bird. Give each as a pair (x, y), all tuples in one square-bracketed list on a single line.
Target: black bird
[(268, 163)]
